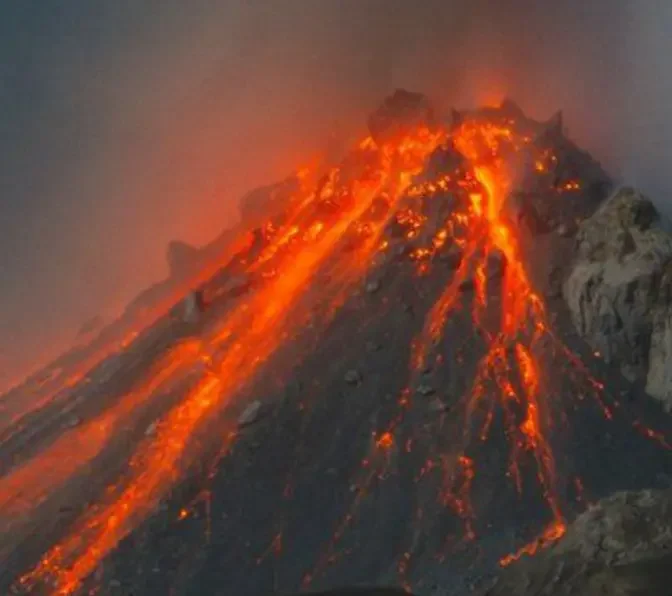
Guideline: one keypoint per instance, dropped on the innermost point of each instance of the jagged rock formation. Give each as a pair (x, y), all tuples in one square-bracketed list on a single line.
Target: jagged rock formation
[(615, 289), (399, 113), (192, 307), (577, 180), (91, 326), (622, 547), (266, 201), (182, 258)]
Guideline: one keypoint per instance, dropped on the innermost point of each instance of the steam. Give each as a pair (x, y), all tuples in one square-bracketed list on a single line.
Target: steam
[(126, 125)]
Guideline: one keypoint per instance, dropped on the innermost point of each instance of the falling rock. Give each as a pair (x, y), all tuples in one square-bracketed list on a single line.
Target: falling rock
[(565, 230), (555, 124), (73, 421), (251, 414), (622, 546), (192, 307), (452, 257), (372, 346), (496, 264), (615, 291), (437, 406), (151, 429), (467, 285), (425, 390), (555, 277), (372, 287), (353, 377)]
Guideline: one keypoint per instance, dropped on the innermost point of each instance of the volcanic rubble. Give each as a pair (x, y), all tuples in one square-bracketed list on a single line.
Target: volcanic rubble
[(468, 370)]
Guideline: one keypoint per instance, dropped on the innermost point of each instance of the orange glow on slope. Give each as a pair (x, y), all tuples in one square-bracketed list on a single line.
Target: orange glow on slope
[(151, 469), (330, 228), (509, 375), (57, 387), (551, 534), (23, 489), (236, 348), (509, 372)]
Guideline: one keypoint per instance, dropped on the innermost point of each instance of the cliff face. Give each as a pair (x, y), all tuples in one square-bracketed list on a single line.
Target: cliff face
[(618, 289)]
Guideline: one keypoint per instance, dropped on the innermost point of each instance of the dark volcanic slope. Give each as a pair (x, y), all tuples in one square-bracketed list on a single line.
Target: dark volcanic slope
[(313, 440), (347, 474)]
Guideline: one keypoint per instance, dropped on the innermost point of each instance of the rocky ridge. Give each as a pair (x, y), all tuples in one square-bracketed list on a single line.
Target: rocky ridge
[(621, 546), (618, 289)]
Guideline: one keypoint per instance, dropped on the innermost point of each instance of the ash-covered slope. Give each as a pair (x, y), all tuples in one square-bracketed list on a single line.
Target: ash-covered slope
[(400, 397)]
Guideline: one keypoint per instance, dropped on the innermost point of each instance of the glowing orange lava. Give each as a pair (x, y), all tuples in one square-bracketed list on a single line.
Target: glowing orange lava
[(327, 239), (509, 371), (236, 347)]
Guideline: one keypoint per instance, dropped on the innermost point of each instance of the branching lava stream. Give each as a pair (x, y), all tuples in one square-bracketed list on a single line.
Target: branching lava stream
[(330, 236)]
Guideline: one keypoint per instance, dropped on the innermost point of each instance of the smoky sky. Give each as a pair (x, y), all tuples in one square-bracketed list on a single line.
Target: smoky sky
[(124, 125)]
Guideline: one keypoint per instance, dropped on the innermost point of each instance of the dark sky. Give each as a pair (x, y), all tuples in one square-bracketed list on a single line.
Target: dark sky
[(126, 124)]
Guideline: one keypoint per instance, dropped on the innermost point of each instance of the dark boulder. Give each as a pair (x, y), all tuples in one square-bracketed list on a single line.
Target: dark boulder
[(182, 258)]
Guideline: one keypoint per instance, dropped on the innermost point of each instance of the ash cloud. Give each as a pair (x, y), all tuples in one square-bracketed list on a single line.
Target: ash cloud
[(126, 125)]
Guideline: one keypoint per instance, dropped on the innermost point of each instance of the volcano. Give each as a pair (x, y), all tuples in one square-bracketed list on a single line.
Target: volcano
[(384, 377)]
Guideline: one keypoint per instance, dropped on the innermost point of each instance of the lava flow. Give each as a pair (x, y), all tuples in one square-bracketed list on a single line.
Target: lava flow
[(509, 375), (510, 359), (511, 381), (238, 345), (305, 263)]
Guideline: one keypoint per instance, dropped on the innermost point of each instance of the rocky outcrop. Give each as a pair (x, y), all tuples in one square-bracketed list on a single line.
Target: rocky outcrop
[(615, 289), (182, 258), (400, 113), (91, 326), (265, 202), (193, 305), (659, 376), (622, 546)]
